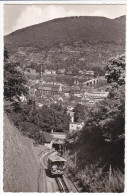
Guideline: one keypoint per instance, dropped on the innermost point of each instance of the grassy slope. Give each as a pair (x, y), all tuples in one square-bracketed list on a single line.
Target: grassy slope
[(21, 166)]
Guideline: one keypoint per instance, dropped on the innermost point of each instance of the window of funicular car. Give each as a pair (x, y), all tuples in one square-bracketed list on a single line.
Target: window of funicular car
[(58, 163)]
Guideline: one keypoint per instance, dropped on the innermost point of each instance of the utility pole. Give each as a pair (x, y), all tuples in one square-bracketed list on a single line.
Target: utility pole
[(75, 154), (75, 159), (110, 173), (41, 71)]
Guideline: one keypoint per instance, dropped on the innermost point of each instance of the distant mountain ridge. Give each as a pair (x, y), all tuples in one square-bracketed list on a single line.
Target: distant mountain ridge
[(68, 30), (72, 43)]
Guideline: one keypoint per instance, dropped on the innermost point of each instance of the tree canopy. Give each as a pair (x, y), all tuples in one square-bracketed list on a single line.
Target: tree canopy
[(102, 138), (14, 80), (116, 69), (81, 112)]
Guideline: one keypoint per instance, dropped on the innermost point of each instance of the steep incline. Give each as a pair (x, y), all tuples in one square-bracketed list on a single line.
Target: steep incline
[(21, 165)]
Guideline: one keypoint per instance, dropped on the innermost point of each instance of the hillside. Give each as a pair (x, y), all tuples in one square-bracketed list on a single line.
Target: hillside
[(81, 42), (69, 30), (21, 167)]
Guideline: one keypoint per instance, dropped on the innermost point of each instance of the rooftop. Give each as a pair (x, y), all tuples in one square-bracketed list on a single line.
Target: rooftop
[(47, 86), (56, 158), (48, 137)]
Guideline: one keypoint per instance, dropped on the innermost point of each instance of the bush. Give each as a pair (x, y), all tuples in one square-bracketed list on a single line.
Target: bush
[(93, 179)]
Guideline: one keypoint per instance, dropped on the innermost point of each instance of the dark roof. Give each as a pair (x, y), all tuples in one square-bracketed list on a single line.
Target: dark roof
[(50, 87), (75, 88), (48, 137), (66, 89), (33, 76), (59, 133), (55, 87)]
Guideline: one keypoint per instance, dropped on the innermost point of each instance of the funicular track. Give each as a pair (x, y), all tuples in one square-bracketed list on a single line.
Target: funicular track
[(62, 185), (60, 180)]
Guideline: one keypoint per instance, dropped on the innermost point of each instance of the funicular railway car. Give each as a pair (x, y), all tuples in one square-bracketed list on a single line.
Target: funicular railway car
[(56, 165)]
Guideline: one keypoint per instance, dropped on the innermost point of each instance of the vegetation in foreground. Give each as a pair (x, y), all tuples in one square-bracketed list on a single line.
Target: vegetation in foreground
[(30, 120), (96, 154)]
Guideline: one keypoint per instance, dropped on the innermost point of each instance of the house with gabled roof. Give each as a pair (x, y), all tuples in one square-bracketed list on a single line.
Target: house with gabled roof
[(51, 89), (48, 139)]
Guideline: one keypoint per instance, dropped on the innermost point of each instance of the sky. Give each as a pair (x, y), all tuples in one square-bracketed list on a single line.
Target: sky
[(17, 16)]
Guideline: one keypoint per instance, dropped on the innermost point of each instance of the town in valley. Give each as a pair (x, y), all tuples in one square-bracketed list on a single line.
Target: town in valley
[(64, 100)]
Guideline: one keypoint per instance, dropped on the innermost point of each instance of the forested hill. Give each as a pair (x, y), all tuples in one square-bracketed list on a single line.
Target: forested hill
[(70, 43), (68, 30)]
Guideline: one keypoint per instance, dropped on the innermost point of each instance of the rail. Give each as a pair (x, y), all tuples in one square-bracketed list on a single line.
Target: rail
[(43, 152), (73, 183), (62, 184)]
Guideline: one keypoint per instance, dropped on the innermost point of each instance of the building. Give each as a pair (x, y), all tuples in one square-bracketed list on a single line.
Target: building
[(89, 73), (48, 139), (61, 71), (75, 90), (32, 75), (96, 96), (53, 72), (71, 114), (47, 72), (59, 139), (59, 136), (69, 72), (30, 70), (51, 89), (73, 126), (70, 108), (66, 91), (80, 72), (76, 82), (23, 98)]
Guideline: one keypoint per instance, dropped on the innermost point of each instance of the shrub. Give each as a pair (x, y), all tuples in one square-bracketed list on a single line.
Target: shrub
[(96, 180)]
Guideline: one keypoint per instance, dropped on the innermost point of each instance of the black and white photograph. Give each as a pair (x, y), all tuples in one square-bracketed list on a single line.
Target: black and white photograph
[(64, 97)]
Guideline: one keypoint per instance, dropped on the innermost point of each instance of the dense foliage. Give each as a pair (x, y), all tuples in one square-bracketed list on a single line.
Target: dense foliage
[(47, 118), (80, 112), (33, 121), (30, 119), (68, 30), (100, 145), (104, 131), (73, 43), (116, 69), (14, 80)]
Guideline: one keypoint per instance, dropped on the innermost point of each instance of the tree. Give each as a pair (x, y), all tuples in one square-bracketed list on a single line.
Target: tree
[(14, 80), (32, 131), (53, 117), (6, 55), (102, 138), (81, 113), (116, 69)]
